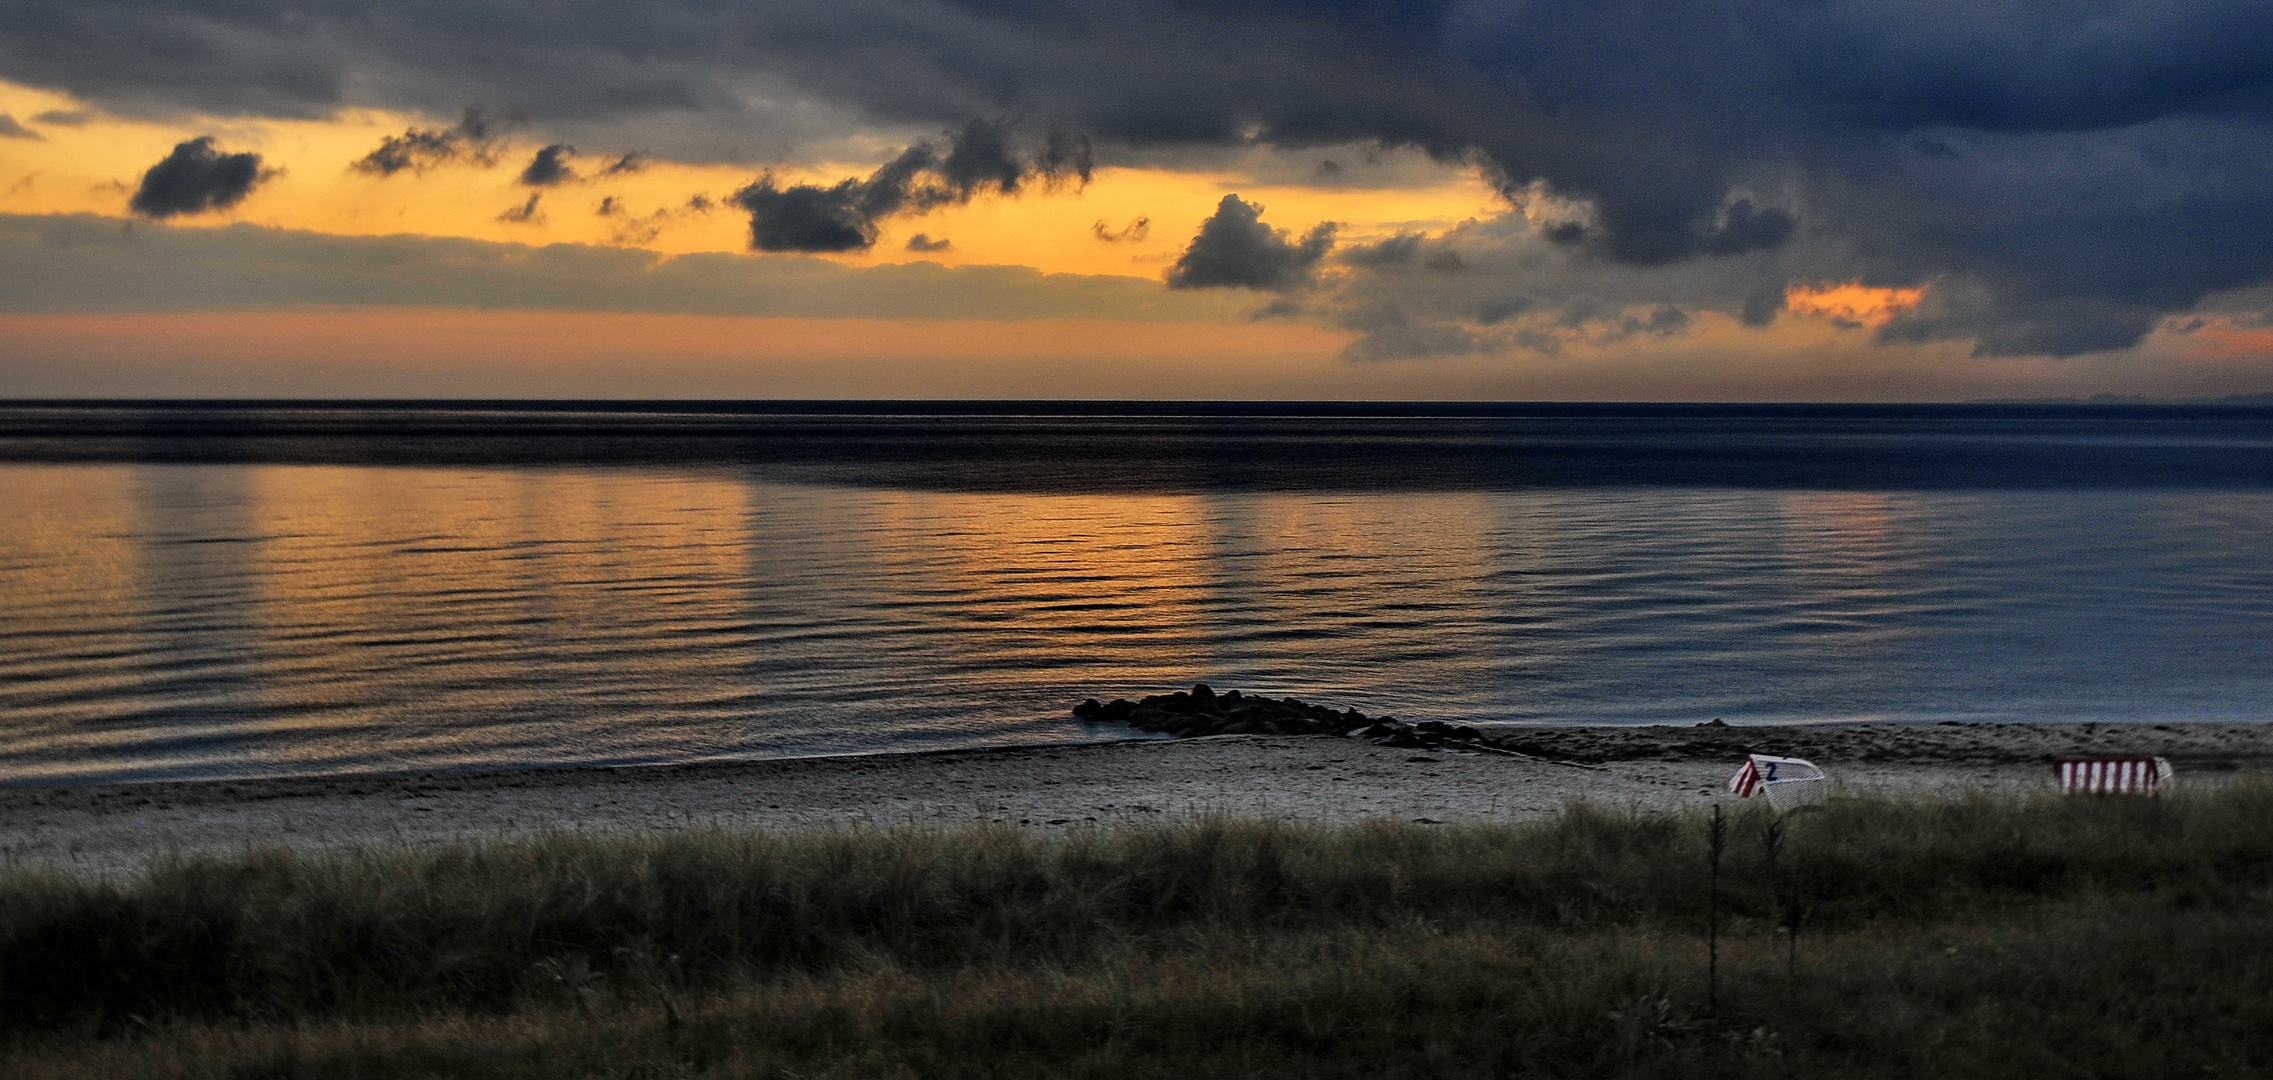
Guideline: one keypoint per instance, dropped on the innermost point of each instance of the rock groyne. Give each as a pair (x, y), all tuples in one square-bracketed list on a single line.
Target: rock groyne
[(1201, 711)]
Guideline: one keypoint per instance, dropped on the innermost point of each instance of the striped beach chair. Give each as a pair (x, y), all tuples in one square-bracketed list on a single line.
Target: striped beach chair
[(1788, 782), (2112, 775)]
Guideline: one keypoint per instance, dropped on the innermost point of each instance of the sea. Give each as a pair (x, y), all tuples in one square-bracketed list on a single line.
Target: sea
[(260, 589)]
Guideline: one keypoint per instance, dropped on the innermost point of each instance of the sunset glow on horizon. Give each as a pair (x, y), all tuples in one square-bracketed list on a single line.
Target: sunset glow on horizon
[(1369, 241)]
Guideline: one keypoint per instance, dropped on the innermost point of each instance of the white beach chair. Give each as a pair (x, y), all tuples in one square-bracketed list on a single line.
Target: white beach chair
[(1788, 782)]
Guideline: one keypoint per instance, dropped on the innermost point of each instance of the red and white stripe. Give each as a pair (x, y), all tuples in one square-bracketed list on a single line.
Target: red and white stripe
[(1745, 782), (1761, 771), (2112, 775)]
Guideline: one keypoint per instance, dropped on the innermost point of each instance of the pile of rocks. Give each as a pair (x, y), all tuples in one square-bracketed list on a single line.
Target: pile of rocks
[(1202, 711)]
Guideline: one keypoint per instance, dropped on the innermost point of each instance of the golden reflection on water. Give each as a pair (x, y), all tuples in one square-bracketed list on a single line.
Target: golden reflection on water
[(179, 620), (1354, 586), (69, 569), (544, 594), (1056, 587), (1065, 594)]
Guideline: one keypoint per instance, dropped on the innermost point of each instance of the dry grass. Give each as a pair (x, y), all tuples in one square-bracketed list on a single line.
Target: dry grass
[(1971, 937)]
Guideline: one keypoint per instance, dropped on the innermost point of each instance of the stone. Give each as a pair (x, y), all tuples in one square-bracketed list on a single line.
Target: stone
[(1202, 711), (1148, 717)]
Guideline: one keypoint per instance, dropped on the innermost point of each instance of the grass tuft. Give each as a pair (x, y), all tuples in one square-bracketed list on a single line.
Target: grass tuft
[(1981, 935)]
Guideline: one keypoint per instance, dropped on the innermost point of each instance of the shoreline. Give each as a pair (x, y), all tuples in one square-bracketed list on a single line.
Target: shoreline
[(114, 827)]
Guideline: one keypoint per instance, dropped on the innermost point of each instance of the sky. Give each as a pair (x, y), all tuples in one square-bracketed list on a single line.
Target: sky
[(1774, 200)]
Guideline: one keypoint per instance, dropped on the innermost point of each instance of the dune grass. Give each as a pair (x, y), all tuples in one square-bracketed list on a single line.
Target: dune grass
[(1978, 936)]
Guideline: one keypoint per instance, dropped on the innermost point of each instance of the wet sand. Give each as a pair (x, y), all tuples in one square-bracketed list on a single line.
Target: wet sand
[(116, 827)]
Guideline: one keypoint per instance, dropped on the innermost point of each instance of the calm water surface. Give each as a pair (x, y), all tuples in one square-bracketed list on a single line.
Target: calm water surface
[(166, 613)]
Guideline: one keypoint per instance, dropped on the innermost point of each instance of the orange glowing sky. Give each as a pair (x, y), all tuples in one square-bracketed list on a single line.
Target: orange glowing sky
[(1097, 322), (1852, 301), (91, 169)]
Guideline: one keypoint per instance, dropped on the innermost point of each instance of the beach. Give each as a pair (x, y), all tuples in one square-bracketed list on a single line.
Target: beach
[(112, 828)]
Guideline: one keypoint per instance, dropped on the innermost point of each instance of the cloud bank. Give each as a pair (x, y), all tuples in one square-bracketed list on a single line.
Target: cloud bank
[(2063, 172), (60, 264)]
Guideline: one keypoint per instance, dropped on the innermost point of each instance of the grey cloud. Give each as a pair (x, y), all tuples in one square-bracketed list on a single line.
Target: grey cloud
[(65, 117), (625, 165), (847, 215), (86, 263), (1067, 155), (10, 129), (2056, 327), (1890, 131), (806, 217), (474, 141), (1136, 229), (1236, 249), (1743, 227), (1497, 285), (1391, 333), (550, 167), (1762, 306), (924, 242), (640, 229), (526, 213), (1398, 249), (194, 178)]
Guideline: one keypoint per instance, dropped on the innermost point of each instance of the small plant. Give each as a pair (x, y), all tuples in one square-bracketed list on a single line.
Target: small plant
[(1783, 894), (1716, 834)]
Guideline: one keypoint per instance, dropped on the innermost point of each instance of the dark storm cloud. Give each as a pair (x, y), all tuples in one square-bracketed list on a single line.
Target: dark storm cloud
[(2043, 153), (10, 129), (473, 142), (550, 168), (1235, 249), (195, 178), (847, 215)]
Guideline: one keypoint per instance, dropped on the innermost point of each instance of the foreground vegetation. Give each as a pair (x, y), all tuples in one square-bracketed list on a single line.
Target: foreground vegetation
[(1970, 937)]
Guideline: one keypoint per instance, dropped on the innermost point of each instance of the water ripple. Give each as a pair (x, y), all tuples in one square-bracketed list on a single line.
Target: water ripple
[(231, 620)]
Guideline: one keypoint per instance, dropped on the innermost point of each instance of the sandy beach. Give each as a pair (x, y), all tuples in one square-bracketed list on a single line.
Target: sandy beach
[(112, 828)]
